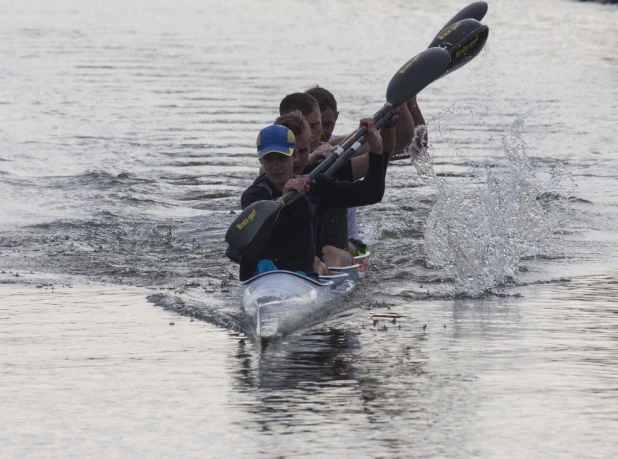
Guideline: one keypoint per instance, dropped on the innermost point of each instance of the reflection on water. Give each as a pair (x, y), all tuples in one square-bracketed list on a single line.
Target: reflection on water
[(442, 375), (323, 357), (423, 379)]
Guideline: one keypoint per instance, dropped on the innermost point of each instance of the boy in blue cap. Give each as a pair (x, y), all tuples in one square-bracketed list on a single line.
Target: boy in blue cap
[(291, 243)]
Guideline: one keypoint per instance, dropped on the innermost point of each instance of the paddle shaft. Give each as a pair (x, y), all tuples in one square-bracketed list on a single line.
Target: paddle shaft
[(347, 154)]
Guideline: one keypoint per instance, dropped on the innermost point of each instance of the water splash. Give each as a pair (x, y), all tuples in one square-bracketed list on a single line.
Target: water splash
[(480, 231), (419, 155)]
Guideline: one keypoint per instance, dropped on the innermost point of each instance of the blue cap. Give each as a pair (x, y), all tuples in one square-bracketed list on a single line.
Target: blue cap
[(275, 138)]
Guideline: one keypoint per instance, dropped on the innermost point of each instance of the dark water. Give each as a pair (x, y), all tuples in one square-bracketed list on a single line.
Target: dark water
[(127, 137)]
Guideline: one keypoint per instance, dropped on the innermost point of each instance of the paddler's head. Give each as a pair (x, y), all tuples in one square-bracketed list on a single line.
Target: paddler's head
[(298, 125), (328, 109), (310, 109), (276, 146)]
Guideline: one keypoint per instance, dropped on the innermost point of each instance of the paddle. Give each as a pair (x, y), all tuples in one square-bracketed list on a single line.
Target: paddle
[(250, 228), (476, 10), (464, 39)]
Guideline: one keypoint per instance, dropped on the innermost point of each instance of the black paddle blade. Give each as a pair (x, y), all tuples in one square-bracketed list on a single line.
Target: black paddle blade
[(464, 40), (250, 228), (469, 49), (409, 80), (476, 10), (416, 74)]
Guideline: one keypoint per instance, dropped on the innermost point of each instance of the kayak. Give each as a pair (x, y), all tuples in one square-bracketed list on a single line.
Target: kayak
[(278, 302)]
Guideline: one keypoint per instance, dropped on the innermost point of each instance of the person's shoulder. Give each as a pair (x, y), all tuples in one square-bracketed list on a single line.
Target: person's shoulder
[(257, 183), (257, 191), (259, 179)]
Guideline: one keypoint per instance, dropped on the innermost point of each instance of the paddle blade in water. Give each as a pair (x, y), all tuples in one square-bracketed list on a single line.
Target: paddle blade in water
[(250, 228), (476, 10), (416, 74)]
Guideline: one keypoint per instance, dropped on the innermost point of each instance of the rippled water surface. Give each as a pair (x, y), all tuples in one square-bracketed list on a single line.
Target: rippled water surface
[(486, 325)]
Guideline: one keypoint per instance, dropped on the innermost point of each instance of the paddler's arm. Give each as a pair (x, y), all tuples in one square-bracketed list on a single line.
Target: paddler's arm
[(322, 152), (404, 130), (360, 164), (411, 131), (388, 134), (335, 194)]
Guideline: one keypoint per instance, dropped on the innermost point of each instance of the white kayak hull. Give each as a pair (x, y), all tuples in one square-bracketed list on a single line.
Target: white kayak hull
[(278, 302)]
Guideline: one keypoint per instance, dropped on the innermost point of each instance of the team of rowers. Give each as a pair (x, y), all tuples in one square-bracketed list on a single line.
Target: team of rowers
[(319, 229)]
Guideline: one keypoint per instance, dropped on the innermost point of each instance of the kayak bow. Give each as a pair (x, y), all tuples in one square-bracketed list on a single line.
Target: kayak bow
[(278, 302)]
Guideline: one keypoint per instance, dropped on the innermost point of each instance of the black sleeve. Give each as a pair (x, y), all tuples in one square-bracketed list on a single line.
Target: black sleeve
[(254, 194), (335, 194), (345, 172)]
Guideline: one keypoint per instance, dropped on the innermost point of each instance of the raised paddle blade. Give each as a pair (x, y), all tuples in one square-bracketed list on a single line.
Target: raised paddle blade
[(457, 34), (409, 80), (468, 48), (476, 10), (464, 40), (416, 74), (250, 228)]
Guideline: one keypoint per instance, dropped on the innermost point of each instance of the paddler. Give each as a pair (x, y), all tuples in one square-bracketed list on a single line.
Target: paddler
[(291, 242)]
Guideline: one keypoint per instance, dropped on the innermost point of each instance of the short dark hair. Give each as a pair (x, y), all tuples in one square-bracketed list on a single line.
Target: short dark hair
[(298, 101), (295, 122), (324, 97)]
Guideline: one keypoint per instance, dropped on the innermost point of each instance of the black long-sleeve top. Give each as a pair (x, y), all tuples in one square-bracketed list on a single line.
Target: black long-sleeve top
[(291, 242)]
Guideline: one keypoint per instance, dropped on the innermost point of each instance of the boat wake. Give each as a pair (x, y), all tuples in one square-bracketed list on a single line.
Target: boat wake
[(193, 304)]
